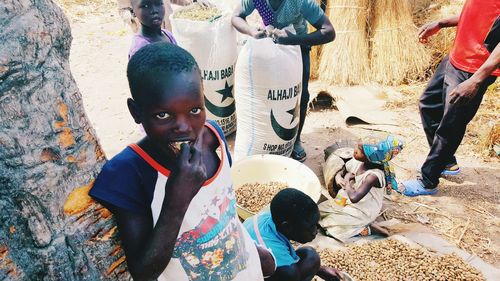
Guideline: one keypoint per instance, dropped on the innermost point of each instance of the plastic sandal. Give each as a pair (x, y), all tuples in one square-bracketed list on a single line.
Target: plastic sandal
[(451, 170), (299, 153), (414, 188)]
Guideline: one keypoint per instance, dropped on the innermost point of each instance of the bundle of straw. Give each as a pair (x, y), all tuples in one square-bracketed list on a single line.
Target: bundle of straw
[(315, 53), (397, 56), (314, 56), (345, 61)]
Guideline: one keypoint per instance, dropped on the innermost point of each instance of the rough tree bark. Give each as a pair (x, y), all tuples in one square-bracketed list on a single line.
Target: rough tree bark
[(49, 156)]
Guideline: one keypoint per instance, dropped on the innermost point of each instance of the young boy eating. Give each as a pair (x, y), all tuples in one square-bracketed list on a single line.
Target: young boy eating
[(293, 216), (171, 193)]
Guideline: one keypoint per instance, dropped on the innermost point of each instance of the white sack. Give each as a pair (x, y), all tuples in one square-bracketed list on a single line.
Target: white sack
[(267, 91), (213, 45)]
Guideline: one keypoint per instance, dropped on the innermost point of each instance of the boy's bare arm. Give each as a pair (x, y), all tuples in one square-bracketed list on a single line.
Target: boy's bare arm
[(308, 266), (146, 255), (329, 273), (324, 33), (355, 195), (285, 273), (267, 263), (149, 249)]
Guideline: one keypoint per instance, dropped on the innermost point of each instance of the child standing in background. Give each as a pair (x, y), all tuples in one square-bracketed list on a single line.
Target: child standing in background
[(126, 13), (150, 14), (359, 189)]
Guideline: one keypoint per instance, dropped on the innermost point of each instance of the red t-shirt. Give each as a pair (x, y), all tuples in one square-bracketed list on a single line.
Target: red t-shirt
[(476, 20)]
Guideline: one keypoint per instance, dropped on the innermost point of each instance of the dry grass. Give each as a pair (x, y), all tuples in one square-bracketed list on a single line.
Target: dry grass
[(418, 7), (345, 61), (411, 94), (492, 139), (466, 231), (483, 131), (397, 56)]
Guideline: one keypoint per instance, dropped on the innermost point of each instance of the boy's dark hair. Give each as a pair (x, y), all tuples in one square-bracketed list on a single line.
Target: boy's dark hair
[(294, 206), (148, 66)]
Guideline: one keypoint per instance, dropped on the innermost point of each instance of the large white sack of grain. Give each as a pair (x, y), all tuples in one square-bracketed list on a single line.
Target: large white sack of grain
[(268, 87), (210, 37)]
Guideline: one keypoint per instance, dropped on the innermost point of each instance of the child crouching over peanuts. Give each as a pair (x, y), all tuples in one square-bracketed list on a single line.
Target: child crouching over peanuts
[(171, 193), (293, 215), (359, 189)]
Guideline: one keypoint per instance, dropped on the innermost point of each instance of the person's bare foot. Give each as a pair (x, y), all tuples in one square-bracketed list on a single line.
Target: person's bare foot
[(376, 229)]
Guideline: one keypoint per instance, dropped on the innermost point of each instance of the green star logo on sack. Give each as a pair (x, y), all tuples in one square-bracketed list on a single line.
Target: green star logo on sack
[(227, 92), (284, 133), (224, 111)]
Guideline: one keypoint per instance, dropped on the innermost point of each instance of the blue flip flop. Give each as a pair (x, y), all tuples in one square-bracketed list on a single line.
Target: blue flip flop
[(451, 170), (448, 171), (299, 153), (415, 187)]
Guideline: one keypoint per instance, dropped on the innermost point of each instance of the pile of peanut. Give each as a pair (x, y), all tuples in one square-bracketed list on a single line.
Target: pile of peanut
[(393, 260), (254, 196), (197, 12)]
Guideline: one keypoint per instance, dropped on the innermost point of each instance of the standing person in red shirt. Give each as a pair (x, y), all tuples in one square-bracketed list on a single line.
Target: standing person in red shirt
[(454, 93)]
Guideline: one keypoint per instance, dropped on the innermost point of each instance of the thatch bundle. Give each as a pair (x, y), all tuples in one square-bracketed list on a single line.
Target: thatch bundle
[(315, 53), (315, 56), (397, 56), (345, 61)]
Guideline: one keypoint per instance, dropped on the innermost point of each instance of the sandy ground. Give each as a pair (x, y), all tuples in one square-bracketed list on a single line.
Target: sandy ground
[(466, 211)]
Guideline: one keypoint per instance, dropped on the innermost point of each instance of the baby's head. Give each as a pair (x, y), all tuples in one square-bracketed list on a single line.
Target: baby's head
[(167, 94), (378, 150), (150, 13), (295, 215), (359, 154)]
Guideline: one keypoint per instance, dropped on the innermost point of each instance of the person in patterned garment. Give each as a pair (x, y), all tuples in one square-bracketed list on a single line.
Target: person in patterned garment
[(279, 14)]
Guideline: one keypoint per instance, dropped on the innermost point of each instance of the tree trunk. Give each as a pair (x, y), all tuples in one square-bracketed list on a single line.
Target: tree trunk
[(49, 157)]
